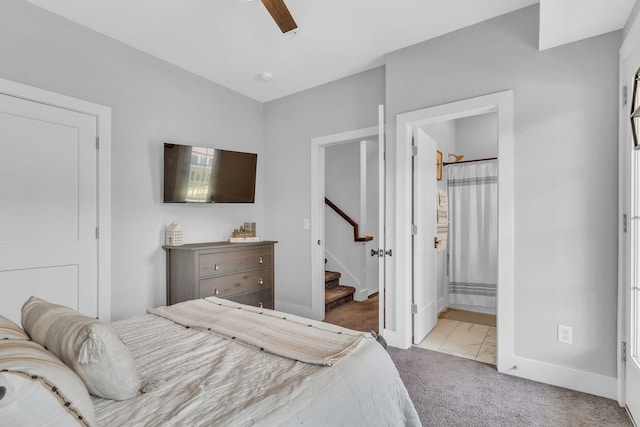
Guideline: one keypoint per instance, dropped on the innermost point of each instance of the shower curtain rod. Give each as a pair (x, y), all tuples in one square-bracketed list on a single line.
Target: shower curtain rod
[(468, 161)]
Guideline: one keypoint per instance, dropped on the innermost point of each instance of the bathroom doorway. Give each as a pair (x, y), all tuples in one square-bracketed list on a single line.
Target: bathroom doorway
[(466, 242), (403, 304)]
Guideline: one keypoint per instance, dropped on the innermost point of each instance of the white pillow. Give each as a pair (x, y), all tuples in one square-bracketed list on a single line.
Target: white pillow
[(90, 347), (37, 389), (11, 331)]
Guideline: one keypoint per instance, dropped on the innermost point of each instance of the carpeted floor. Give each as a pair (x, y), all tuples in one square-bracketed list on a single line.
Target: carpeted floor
[(356, 315), (451, 391)]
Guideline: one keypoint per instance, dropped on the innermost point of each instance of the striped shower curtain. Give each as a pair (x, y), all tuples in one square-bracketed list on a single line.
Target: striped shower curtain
[(473, 235)]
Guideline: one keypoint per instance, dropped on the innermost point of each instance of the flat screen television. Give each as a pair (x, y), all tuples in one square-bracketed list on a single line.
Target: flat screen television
[(208, 175)]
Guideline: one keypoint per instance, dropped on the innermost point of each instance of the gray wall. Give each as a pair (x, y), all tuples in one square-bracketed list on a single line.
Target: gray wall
[(290, 124), (477, 137), (565, 214), (151, 102)]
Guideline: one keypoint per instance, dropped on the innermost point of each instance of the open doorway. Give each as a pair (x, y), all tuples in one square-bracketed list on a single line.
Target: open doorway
[(351, 225), (400, 303), (367, 146), (466, 236)]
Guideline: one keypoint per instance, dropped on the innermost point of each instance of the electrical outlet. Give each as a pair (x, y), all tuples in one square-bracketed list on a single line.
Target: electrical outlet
[(564, 334)]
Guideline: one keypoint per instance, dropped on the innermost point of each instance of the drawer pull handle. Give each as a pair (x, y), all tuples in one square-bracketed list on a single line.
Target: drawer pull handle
[(216, 267), (216, 292), (259, 260), (260, 281), (260, 304)]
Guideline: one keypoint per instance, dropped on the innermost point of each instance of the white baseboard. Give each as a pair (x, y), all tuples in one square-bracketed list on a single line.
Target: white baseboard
[(394, 340), (361, 295), (298, 310), (586, 382)]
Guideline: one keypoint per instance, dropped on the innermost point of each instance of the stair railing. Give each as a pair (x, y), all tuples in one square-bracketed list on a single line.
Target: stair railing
[(356, 233)]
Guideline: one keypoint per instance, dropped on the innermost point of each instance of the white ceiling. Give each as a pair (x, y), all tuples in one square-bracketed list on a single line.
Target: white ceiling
[(231, 42)]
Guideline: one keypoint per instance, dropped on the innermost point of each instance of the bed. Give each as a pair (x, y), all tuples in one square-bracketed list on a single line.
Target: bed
[(193, 374)]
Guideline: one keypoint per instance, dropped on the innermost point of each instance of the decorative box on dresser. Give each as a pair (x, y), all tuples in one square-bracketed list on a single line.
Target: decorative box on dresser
[(241, 272)]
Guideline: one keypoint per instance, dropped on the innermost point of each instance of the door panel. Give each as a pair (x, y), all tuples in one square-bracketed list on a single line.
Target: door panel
[(381, 220), (48, 188), (630, 195), (632, 368), (424, 256)]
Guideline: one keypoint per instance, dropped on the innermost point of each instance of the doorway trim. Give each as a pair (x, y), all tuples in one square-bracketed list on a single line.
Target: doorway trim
[(502, 104), (103, 128), (318, 146)]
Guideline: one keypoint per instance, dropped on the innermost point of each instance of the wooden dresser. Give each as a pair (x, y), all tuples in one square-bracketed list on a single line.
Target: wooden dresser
[(242, 272)]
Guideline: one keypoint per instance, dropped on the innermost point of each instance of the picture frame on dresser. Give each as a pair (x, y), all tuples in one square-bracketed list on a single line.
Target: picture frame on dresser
[(241, 272)]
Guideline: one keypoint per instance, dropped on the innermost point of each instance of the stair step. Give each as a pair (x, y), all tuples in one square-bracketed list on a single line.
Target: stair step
[(337, 295), (331, 279)]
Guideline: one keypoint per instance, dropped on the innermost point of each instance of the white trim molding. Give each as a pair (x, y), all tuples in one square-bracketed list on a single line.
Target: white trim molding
[(502, 104), (561, 376), (318, 146)]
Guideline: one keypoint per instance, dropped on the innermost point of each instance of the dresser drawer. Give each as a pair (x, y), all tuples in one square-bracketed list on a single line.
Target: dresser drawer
[(215, 264), (255, 298), (233, 284)]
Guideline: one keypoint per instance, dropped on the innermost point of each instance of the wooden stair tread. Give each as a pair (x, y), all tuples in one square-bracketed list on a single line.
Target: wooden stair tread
[(331, 275), (337, 292)]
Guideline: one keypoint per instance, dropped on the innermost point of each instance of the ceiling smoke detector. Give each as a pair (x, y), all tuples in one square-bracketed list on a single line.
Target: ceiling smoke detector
[(265, 76)]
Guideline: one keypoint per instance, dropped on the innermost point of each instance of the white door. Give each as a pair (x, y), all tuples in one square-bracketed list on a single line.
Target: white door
[(381, 220), (48, 206), (630, 287), (424, 219), (632, 284)]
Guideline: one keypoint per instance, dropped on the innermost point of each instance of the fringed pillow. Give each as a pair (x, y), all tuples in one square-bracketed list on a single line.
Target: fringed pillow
[(11, 331), (90, 347), (37, 389)]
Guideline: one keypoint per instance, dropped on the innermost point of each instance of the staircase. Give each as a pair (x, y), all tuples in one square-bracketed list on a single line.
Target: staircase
[(334, 293)]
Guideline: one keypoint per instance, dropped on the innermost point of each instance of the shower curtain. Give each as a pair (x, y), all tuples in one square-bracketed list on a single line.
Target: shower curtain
[(473, 235)]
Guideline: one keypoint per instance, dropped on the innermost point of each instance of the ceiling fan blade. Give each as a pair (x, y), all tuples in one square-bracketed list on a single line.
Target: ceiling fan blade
[(280, 14)]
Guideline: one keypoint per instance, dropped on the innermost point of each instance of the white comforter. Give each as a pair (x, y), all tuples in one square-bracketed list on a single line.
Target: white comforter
[(202, 379)]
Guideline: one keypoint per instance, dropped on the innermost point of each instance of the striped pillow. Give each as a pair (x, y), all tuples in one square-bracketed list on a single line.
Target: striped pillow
[(90, 347), (38, 389), (11, 331)]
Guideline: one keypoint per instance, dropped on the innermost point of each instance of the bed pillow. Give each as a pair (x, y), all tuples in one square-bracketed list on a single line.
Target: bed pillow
[(11, 331), (38, 389), (90, 347)]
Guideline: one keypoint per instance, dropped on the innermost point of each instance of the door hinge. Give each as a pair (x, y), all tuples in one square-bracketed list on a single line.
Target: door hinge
[(97, 232), (414, 150), (623, 351), (624, 223), (624, 95), (97, 142), (435, 242), (414, 308), (414, 229)]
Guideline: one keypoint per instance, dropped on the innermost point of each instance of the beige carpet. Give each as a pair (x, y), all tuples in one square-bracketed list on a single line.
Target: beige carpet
[(356, 315), (468, 316)]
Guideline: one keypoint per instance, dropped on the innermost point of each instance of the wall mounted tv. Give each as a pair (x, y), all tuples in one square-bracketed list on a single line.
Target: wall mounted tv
[(208, 175)]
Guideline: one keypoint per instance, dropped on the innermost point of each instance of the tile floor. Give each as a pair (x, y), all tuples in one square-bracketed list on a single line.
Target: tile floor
[(468, 340)]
